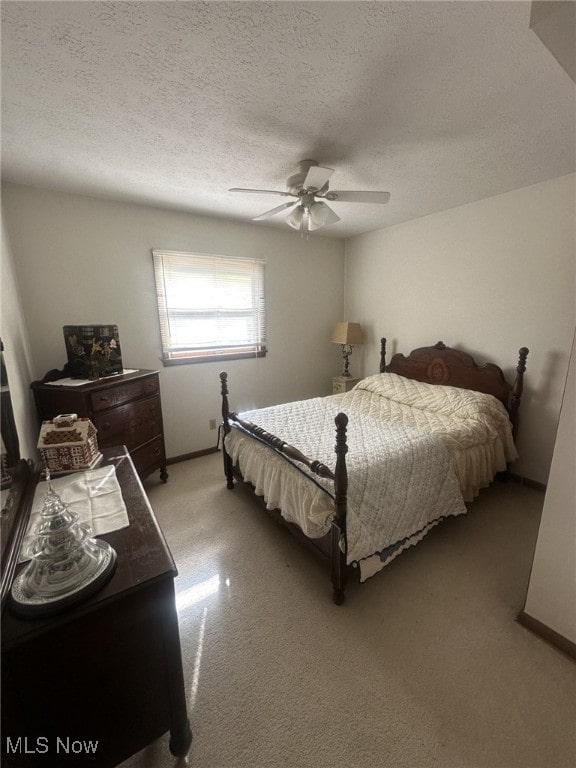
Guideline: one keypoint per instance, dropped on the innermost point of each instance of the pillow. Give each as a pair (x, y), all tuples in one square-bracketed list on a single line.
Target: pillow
[(438, 398)]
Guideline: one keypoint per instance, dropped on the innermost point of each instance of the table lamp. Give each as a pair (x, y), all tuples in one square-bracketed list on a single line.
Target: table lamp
[(348, 335)]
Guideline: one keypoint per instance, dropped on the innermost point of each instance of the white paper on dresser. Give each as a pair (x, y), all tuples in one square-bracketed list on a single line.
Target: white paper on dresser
[(68, 382)]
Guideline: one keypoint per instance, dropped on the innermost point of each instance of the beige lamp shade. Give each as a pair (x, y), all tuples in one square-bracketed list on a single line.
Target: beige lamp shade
[(348, 333)]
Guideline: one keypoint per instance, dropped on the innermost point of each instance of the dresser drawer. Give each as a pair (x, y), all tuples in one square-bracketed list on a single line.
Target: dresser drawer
[(131, 424), (124, 393), (148, 457), (341, 384)]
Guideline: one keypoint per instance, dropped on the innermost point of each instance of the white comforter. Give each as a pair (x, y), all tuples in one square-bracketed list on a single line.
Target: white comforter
[(416, 451), (474, 427)]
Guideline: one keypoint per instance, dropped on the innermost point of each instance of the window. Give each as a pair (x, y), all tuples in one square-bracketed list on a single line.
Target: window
[(210, 307)]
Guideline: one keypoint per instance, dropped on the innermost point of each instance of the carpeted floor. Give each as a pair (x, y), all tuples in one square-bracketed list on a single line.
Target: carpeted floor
[(423, 666)]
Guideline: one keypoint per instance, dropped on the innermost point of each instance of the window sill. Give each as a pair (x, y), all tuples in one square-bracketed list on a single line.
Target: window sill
[(211, 358)]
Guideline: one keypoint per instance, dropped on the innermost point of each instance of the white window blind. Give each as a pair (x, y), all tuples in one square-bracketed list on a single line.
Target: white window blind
[(209, 306)]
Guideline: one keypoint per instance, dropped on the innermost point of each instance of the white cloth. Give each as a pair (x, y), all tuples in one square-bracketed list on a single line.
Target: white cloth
[(68, 382), (94, 495)]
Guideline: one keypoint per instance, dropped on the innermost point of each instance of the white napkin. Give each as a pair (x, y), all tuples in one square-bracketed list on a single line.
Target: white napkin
[(94, 495)]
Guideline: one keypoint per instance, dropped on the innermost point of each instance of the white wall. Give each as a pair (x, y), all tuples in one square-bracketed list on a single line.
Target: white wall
[(84, 260), (16, 351), (489, 277), (551, 595)]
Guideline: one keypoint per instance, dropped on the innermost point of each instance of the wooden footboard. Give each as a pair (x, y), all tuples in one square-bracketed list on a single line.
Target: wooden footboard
[(337, 547)]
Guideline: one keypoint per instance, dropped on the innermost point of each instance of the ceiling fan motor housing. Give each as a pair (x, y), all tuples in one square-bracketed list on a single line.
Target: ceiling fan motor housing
[(295, 183)]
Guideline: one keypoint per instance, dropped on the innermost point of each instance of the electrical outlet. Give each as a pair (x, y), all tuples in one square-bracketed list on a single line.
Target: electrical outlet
[(212, 423)]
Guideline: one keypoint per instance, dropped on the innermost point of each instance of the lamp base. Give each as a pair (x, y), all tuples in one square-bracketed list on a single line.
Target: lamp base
[(346, 352)]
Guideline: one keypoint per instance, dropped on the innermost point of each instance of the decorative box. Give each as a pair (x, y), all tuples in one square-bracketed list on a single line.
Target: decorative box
[(68, 443), (93, 351)]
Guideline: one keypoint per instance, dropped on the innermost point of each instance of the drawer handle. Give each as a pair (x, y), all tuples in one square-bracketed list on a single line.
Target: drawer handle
[(104, 399), (106, 425)]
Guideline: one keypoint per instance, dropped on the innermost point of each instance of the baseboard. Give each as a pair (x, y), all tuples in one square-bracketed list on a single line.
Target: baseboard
[(193, 455), (549, 635), (526, 481)]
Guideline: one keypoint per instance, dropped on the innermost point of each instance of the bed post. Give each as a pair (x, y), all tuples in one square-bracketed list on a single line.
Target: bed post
[(517, 389), (382, 354), (226, 424), (338, 557)]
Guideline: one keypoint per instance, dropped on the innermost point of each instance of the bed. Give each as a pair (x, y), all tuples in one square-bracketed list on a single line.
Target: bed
[(361, 476)]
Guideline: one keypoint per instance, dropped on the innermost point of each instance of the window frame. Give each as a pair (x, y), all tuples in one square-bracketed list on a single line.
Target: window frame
[(191, 354)]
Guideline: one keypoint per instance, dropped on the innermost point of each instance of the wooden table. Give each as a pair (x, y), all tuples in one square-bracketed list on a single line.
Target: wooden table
[(100, 681)]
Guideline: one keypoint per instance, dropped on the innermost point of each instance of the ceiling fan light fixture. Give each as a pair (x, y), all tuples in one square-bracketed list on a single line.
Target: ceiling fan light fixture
[(318, 215), (296, 217)]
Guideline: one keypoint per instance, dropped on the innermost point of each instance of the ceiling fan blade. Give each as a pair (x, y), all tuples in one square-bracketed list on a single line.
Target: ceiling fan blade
[(317, 177), (321, 214), (273, 211), (260, 191), (358, 197)]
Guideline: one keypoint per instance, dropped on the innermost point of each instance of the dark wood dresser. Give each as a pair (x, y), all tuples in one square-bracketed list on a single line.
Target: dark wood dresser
[(126, 410), (98, 682)]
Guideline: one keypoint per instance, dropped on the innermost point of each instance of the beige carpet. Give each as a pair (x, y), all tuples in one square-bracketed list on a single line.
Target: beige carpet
[(423, 666)]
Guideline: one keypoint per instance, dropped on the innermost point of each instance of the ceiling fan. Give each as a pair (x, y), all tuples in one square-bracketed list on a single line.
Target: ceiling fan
[(310, 188)]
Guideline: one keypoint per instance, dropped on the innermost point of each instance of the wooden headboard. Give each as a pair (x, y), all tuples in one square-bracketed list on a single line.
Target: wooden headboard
[(443, 365)]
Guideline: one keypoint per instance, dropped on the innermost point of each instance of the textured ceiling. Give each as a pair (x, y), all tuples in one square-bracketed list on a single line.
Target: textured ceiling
[(172, 103)]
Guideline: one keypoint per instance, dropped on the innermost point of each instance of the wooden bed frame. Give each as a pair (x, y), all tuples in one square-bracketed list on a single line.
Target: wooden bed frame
[(436, 365)]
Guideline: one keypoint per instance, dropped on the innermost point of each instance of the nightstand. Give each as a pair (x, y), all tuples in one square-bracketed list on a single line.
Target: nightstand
[(341, 384)]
